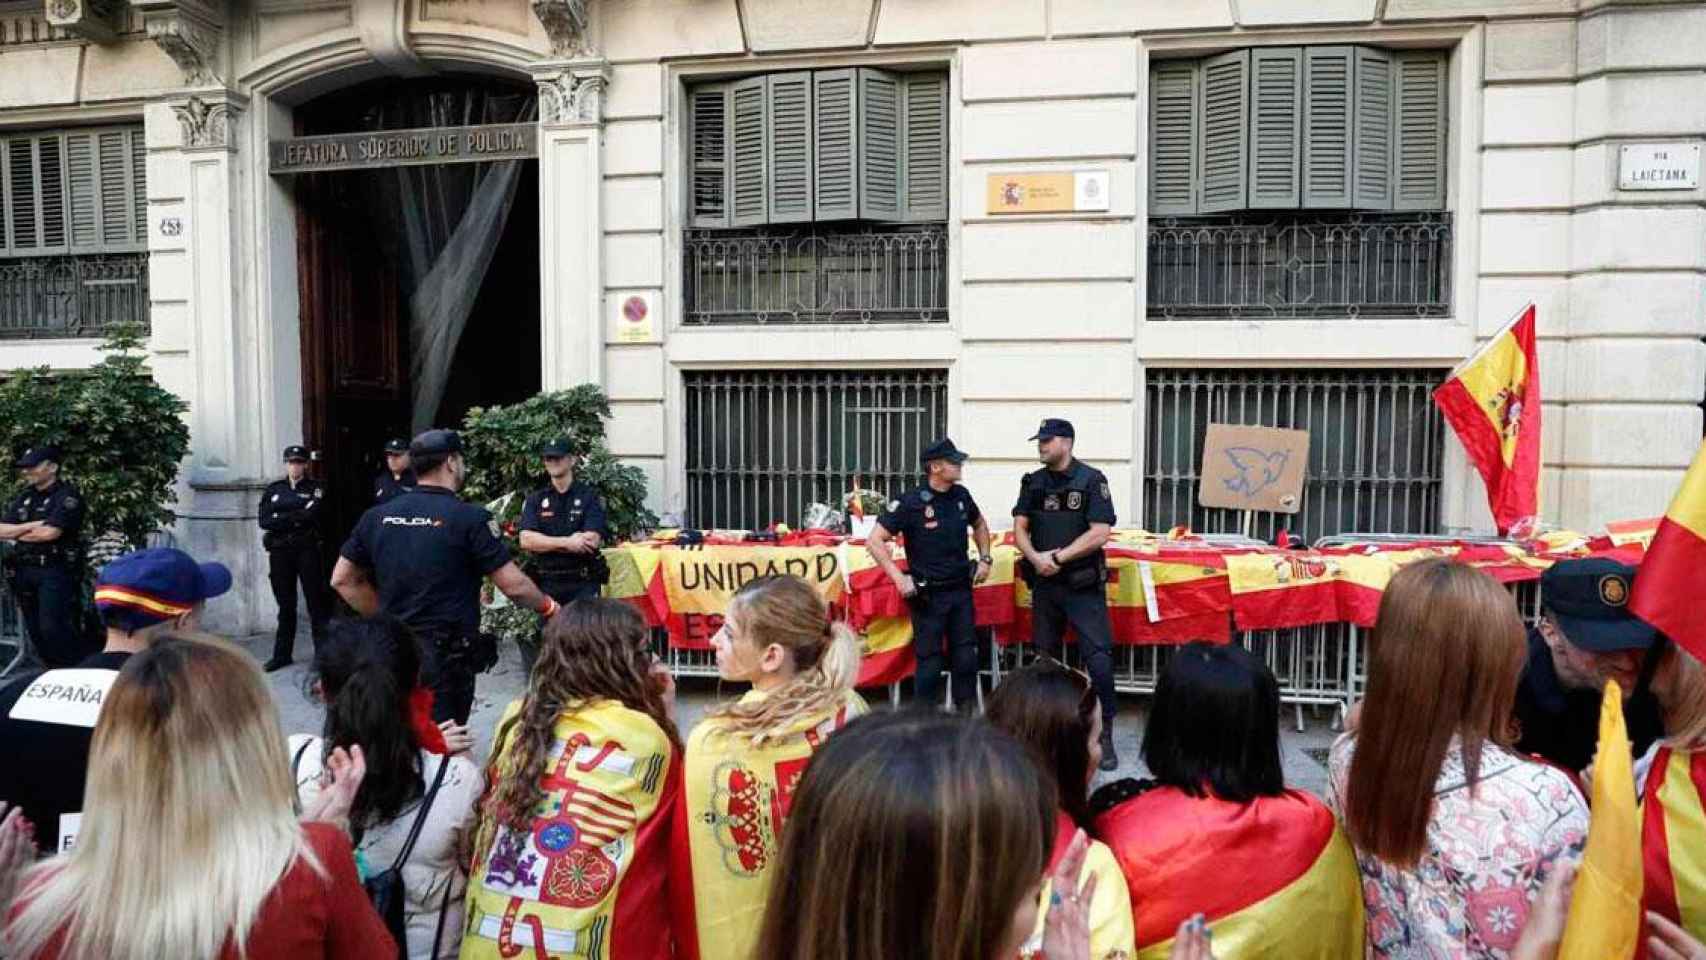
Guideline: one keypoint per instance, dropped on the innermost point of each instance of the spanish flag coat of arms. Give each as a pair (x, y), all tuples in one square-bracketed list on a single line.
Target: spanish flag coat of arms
[(1492, 401)]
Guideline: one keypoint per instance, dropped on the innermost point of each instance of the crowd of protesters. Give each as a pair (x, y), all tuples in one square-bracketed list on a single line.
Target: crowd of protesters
[(156, 808)]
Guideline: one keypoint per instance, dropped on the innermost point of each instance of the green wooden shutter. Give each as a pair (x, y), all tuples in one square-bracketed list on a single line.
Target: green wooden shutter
[(924, 140), (835, 143), (34, 194), (139, 183), (113, 163), (708, 154), (749, 202), (1419, 131), (83, 192), (1327, 135), (790, 146), (1276, 127), (23, 210), (1372, 121), (1173, 137), (879, 145), (1225, 131)]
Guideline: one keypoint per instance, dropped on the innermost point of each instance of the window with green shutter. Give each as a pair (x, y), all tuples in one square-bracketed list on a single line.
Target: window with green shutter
[(1319, 128), (76, 191), (856, 144)]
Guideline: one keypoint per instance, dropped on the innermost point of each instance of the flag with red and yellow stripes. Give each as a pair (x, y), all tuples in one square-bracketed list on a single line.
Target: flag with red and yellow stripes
[(1605, 908), (1669, 583), (1673, 839), (1492, 401)]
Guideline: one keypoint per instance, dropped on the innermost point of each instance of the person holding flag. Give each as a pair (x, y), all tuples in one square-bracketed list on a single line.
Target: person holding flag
[(1492, 401)]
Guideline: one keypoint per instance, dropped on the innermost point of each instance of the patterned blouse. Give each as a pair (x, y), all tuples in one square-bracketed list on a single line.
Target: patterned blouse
[(1488, 852)]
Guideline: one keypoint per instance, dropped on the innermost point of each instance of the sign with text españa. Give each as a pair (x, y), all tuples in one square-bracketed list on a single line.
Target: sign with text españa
[(404, 148)]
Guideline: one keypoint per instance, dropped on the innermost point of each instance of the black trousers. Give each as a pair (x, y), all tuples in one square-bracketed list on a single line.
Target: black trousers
[(47, 598), (290, 562), (1053, 607), (944, 630), (564, 592), (447, 669)]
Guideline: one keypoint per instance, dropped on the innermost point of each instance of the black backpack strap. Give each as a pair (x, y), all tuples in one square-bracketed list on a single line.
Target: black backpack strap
[(296, 761), (443, 908), (420, 818)]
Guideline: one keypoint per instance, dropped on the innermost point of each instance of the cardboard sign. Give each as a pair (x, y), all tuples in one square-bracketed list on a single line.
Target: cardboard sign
[(1253, 468)]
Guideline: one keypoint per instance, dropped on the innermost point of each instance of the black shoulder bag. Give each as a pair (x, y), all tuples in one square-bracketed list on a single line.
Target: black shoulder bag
[(385, 888)]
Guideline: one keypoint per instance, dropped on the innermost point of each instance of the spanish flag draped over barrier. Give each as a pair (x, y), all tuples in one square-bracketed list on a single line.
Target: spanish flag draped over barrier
[(1605, 910), (1274, 877), (1673, 839), (728, 828), (1669, 585), (1492, 401), (589, 878)]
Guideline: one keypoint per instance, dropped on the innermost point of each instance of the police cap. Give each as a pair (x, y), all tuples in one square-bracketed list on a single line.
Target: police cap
[(436, 443), (1053, 427), (396, 445), (943, 449), (560, 447), (37, 455), (1589, 600), (295, 453)]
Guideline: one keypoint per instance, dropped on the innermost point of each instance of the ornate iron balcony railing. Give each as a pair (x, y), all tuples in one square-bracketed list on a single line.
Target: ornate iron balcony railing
[(1305, 264), (74, 296), (817, 275)]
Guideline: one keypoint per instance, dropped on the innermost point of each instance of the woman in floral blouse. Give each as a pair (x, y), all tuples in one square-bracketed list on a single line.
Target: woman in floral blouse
[(1454, 832)]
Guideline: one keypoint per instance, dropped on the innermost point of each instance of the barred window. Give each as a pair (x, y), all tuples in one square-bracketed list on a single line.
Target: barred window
[(1376, 446), (762, 444)]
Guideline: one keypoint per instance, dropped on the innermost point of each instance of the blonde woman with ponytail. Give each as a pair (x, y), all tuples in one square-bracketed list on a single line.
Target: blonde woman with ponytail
[(745, 760)]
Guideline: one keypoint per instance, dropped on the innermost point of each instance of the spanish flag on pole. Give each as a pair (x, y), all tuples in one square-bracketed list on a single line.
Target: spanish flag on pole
[(1492, 401), (1605, 910), (1667, 590)]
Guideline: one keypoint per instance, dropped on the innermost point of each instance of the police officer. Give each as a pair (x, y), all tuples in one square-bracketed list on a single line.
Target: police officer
[(563, 527), (44, 522), (1063, 518), (932, 521), (398, 477), (290, 514), (420, 558), (1586, 636)]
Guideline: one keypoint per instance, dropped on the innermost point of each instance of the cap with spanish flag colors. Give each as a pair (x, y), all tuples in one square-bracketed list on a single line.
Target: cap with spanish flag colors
[(147, 587), (1665, 593)]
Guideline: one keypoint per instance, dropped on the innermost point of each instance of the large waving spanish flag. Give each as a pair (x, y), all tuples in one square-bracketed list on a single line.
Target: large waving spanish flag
[(1605, 910), (1673, 839), (1492, 401), (1274, 877), (1671, 577)]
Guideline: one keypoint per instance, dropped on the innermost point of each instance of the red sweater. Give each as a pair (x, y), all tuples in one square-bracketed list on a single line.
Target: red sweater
[(307, 916)]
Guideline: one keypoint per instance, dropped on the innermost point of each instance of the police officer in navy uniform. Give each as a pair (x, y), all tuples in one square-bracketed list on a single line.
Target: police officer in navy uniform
[(563, 528), (1063, 518), (932, 521), (398, 477), (44, 567), (291, 509), (420, 558)]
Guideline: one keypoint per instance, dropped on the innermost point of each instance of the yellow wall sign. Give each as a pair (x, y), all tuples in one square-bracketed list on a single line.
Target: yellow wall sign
[(1075, 191)]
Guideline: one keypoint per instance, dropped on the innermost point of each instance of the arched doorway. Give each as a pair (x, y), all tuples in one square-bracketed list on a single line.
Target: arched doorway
[(418, 280)]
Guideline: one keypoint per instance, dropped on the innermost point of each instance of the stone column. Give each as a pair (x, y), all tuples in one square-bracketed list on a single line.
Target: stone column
[(571, 96)]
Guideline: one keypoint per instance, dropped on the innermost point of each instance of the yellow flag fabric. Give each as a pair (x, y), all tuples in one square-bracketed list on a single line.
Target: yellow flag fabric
[(1112, 935), (1605, 911), (735, 799)]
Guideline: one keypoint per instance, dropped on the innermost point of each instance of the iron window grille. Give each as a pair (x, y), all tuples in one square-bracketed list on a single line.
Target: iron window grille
[(1304, 264), (1376, 446), (817, 274), (763, 444), (74, 296)]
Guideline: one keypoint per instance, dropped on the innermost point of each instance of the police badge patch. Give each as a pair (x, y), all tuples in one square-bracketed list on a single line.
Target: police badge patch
[(1105, 494), (1051, 502), (1075, 501), (545, 504), (492, 525)]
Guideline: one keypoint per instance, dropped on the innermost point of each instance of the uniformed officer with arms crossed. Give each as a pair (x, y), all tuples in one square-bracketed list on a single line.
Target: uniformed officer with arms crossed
[(1062, 520), (420, 558), (44, 522), (932, 521), (563, 527), (290, 514), (398, 477)]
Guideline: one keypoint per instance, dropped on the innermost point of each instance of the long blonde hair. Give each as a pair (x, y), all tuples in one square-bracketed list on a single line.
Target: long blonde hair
[(788, 612), (1679, 683), (188, 816)]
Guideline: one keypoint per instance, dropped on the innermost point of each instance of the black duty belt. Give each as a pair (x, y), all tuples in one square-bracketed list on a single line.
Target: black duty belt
[(938, 585)]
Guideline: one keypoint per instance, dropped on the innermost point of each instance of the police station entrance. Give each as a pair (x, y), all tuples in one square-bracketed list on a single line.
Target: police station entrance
[(417, 263)]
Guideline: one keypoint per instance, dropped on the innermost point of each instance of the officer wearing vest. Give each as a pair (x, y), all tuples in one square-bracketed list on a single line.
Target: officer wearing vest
[(47, 721), (932, 521), (1063, 518), (563, 529), (398, 477), (420, 558), (290, 514), (44, 567)]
